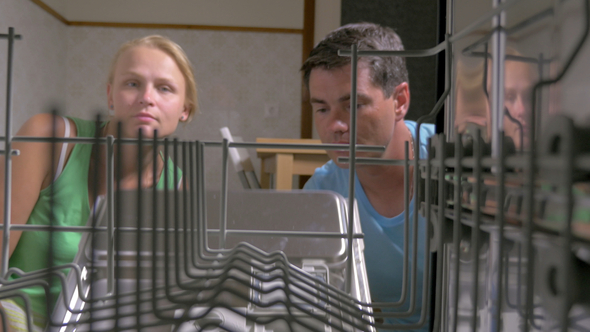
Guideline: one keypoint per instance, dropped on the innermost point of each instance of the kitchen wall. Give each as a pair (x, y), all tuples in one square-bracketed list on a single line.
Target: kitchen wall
[(238, 74), (39, 61)]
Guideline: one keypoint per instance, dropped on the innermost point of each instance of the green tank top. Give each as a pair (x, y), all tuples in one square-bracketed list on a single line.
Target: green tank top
[(70, 208)]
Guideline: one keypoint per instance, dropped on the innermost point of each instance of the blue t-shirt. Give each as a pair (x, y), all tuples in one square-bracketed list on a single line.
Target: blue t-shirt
[(384, 237)]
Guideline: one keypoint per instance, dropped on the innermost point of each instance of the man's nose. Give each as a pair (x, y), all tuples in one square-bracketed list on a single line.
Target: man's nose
[(339, 121)]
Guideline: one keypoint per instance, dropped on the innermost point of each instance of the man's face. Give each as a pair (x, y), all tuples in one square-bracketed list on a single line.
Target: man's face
[(330, 100)]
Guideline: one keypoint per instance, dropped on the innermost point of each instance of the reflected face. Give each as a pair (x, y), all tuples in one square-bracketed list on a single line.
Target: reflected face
[(330, 100), (148, 92), (519, 78), (518, 82)]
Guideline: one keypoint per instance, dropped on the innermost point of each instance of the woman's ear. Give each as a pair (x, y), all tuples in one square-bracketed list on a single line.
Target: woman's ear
[(401, 97), (184, 114)]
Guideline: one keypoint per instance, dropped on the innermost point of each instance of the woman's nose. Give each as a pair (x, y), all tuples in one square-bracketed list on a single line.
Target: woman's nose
[(146, 97), (520, 108)]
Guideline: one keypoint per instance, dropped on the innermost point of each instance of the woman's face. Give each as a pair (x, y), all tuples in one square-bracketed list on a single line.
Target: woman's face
[(148, 92)]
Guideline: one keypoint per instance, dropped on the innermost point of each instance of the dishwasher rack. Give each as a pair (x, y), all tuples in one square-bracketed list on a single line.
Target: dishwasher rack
[(509, 241), (193, 260)]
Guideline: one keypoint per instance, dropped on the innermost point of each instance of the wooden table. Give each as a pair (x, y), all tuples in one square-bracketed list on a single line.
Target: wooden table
[(284, 163)]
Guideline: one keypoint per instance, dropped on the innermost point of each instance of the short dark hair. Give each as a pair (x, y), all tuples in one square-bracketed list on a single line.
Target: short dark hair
[(386, 72)]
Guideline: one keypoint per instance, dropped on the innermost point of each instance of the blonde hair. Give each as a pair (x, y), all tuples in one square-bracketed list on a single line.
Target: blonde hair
[(177, 54)]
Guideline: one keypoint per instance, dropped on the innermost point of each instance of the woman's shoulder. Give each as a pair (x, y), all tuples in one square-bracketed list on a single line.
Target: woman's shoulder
[(43, 125), (50, 125)]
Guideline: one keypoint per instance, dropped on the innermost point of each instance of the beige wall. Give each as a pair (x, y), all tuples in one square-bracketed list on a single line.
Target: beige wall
[(327, 17), (238, 73), (39, 60)]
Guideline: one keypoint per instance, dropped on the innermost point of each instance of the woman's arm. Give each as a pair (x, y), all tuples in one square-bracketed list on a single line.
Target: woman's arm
[(31, 171)]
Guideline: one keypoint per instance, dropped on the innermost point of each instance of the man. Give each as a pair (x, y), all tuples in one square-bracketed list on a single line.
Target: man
[(383, 98)]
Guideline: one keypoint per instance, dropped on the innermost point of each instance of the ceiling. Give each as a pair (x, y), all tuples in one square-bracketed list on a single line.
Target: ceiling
[(280, 14)]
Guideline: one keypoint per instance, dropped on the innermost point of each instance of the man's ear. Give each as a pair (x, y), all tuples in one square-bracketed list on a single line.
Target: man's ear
[(401, 97)]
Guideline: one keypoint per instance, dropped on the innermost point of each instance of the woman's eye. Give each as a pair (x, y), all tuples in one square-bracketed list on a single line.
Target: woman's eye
[(165, 89)]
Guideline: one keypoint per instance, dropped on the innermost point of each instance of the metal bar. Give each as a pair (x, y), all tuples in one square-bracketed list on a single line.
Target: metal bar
[(440, 155), (427, 250), (229, 232), (12, 152), (541, 66), (500, 221), (194, 205), (497, 100), (477, 153), (103, 140), (405, 269), (405, 53), (457, 229), (414, 273), (425, 290), (110, 214), (93, 215), (168, 229), (118, 215), (204, 241), (187, 208), (223, 212), (177, 212), (372, 161), (566, 241), (50, 245), (7, 159), (155, 213), (8, 35), (352, 166), (343, 147), (139, 218)]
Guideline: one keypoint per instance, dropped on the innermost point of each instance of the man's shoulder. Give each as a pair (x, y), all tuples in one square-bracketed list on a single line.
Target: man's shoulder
[(328, 177), (426, 129)]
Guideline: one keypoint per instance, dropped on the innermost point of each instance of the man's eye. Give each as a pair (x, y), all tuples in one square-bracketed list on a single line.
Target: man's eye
[(131, 84), (321, 110)]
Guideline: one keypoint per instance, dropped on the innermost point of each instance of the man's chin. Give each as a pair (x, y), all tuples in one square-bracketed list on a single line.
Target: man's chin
[(341, 165)]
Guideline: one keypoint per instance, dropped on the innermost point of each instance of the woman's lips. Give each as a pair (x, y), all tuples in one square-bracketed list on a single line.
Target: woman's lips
[(144, 117)]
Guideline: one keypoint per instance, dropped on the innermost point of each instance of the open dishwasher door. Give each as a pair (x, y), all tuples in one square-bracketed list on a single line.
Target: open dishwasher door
[(277, 263)]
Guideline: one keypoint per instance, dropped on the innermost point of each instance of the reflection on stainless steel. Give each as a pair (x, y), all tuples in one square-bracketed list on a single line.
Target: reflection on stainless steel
[(241, 288)]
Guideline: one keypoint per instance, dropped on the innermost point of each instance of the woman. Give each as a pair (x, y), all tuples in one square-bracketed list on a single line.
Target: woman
[(150, 87)]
